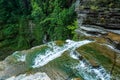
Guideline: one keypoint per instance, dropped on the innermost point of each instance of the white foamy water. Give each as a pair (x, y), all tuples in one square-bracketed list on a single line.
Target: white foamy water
[(90, 73), (83, 68), (19, 56), (56, 51), (37, 76), (73, 55)]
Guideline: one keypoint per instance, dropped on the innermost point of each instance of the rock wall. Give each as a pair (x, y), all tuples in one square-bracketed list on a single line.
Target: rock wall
[(103, 16)]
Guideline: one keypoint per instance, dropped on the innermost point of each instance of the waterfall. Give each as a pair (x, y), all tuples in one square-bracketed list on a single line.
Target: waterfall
[(84, 68), (53, 51), (56, 51), (90, 73)]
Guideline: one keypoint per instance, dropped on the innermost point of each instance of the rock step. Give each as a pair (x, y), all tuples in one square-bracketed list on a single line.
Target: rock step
[(105, 17), (94, 63)]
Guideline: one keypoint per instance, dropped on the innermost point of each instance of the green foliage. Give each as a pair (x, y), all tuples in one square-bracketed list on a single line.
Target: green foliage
[(53, 21), (36, 11), (94, 8), (72, 28), (23, 34), (11, 10), (9, 31), (49, 19)]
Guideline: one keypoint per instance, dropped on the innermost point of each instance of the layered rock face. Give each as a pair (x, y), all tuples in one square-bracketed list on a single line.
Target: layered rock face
[(109, 19), (99, 19), (104, 16)]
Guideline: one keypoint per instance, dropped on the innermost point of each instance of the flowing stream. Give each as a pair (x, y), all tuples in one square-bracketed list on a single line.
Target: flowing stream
[(38, 57), (54, 51)]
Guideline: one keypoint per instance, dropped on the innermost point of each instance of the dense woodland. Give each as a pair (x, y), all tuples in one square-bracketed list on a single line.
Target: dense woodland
[(27, 23)]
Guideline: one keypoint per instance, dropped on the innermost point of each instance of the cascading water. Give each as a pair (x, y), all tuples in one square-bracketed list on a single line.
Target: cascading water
[(51, 53), (54, 51), (90, 73), (84, 68), (99, 33)]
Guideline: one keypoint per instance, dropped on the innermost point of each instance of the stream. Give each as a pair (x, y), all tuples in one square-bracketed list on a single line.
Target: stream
[(88, 59), (52, 54)]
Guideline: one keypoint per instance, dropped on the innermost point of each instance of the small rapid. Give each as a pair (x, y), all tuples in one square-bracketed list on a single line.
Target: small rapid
[(56, 51), (84, 69), (53, 51), (90, 73)]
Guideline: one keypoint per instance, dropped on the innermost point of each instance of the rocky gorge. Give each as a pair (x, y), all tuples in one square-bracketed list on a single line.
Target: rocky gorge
[(95, 55)]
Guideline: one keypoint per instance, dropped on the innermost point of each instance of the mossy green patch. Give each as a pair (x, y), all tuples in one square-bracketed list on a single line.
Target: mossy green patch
[(59, 66), (59, 43), (34, 52), (65, 64), (90, 51), (100, 54)]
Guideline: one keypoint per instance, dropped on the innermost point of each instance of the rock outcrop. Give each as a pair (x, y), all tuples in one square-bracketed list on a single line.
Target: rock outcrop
[(109, 19), (106, 17)]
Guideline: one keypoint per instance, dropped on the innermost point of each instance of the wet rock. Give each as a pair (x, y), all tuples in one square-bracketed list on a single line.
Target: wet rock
[(77, 55), (80, 57), (94, 63), (108, 18), (118, 46), (10, 70), (36, 76), (91, 30), (114, 40), (76, 79)]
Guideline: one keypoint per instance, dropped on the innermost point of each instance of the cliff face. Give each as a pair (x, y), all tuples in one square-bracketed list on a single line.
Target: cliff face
[(99, 21), (109, 19), (101, 13)]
